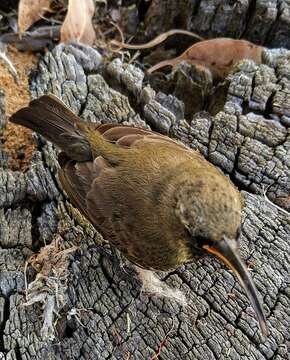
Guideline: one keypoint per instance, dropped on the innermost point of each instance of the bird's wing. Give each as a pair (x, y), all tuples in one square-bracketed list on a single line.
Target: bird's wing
[(126, 135), (77, 180), (95, 189)]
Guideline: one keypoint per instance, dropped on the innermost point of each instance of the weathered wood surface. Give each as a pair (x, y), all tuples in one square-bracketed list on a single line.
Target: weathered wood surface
[(101, 313), (264, 22), (116, 321)]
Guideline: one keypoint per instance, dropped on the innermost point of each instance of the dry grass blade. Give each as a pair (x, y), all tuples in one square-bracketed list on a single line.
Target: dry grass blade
[(77, 25), (273, 204), (29, 11), (161, 345), (12, 69), (156, 41)]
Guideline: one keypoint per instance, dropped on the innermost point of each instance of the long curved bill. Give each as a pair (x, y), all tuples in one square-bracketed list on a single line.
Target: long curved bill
[(225, 250)]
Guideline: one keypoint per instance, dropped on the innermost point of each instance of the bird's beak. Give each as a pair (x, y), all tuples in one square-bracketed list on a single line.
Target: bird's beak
[(226, 250)]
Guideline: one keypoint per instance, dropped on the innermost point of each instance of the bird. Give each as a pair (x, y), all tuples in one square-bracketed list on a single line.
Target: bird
[(158, 202)]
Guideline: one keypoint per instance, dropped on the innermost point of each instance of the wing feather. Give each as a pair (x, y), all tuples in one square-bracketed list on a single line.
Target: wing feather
[(101, 193)]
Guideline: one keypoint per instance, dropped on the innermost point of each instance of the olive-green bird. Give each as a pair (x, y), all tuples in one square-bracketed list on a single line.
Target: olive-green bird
[(160, 203)]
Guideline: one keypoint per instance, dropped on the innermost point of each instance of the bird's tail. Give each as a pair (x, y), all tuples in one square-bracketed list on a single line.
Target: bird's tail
[(49, 117)]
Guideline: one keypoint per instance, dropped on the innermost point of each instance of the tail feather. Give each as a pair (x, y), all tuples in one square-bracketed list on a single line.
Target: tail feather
[(49, 117)]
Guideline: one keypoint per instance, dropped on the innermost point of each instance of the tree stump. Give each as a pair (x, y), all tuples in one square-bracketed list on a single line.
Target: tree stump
[(75, 299)]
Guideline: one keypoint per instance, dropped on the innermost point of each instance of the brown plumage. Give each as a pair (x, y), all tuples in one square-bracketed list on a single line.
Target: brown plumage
[(160, 203)]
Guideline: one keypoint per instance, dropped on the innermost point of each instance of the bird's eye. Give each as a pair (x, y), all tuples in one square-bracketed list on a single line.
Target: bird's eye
[(202, 240)]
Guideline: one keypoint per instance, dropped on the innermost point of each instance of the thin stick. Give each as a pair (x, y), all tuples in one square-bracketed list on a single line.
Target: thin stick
[(121, 35), (134, 57), (11, 66), (25, 280), (271, 202), (161, 345), (128, 324), (156, 41)]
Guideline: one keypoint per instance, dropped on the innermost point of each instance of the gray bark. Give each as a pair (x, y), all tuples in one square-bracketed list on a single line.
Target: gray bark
[(99, 310), (264, 22)]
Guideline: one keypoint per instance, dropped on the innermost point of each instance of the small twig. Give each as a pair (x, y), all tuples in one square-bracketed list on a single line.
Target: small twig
[(134, 57), (271, 202), (76, 314), (12, 69), (156, 41), (117, 334), (121, 35), (52, 21), (128, 324), (25, 280), (162, 344)]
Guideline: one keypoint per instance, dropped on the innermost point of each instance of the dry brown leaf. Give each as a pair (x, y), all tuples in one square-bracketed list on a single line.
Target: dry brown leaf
[(30, 11), (77, 25), (218, 55)]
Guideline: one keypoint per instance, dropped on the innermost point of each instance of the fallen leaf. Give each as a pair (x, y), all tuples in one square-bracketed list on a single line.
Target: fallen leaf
[(30, 11), (77, 25), (218, 55)]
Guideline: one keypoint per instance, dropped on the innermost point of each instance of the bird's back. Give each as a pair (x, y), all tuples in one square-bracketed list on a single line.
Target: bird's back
[(132, 202)]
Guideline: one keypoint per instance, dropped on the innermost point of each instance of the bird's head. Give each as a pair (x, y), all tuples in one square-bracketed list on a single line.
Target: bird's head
[(210, 210)]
